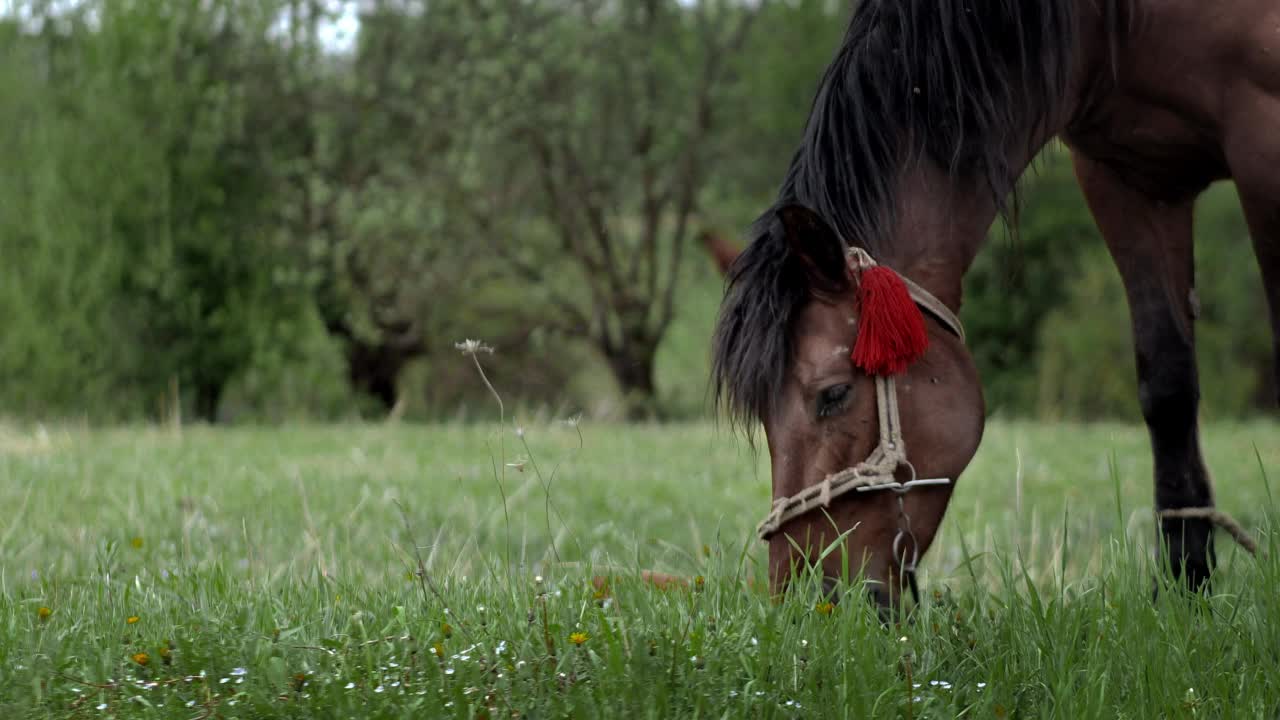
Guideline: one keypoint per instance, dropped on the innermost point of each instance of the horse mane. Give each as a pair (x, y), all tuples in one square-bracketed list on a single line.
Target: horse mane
[(950, 81)]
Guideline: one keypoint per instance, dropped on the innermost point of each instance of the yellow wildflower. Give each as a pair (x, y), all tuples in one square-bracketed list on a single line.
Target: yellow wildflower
[(578, 638), (132, 619), (446, 630), (142, 659), (824, 608), (136, 543), (44, 613), (438, 649)]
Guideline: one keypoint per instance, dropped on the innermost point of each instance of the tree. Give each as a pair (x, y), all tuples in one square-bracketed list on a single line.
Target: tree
[(391, 148), (155, 158), (619, 124)]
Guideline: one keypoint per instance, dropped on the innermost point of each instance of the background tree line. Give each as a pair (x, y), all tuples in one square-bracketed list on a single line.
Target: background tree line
[(214, 207)]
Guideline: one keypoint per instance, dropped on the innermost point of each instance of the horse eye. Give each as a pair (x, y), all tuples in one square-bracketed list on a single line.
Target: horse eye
[(834, 400)]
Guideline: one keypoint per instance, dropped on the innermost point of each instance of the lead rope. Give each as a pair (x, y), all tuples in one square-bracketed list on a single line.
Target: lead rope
[(1217, 517)]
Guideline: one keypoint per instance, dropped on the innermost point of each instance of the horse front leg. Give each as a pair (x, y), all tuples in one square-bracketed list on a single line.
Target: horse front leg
[(1151, 243)]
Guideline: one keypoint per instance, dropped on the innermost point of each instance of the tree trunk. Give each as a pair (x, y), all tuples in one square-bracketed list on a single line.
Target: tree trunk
[(208, 397), (633, 368), (375, 370)]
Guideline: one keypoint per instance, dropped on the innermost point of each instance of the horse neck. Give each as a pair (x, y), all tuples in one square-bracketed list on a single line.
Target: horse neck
[(940, 226)]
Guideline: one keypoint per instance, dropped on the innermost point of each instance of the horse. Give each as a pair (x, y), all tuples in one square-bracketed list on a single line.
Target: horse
[(919, 131)]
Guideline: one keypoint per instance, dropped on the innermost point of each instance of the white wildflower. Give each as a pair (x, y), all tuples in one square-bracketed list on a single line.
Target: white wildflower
[(473, 347)]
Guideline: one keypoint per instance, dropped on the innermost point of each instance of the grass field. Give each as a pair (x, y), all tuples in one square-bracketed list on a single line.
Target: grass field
[(246, 573)]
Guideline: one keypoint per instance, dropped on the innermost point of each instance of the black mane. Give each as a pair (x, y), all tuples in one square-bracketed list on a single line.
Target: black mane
[(947, 80)]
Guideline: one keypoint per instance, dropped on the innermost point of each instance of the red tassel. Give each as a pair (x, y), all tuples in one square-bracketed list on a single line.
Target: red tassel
[(891, 331)]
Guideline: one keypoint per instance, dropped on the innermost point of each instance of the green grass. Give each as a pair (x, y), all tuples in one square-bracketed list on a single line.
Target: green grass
[(288, 552)]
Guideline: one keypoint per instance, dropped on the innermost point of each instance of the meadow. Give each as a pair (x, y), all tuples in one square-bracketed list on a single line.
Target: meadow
[(259, 572)]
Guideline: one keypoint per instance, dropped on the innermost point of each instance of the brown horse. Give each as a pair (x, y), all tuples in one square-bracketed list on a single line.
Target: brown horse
[(920, 129)]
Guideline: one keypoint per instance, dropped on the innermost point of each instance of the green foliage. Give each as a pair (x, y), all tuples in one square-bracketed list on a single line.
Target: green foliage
[(145, 245), (790, 45)]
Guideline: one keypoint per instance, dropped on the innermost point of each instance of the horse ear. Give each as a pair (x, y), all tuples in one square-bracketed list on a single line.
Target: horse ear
[(817, 246)]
